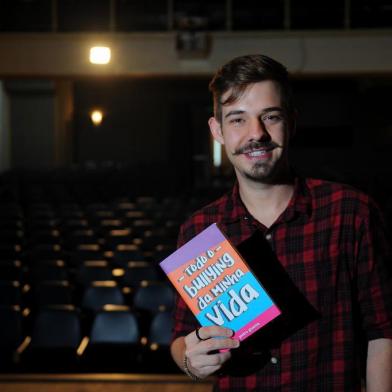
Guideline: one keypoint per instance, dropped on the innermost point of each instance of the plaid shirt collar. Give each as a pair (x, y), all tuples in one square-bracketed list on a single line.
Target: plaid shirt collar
[(300, 205)]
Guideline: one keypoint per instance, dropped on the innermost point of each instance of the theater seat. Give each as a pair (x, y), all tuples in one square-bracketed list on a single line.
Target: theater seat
[(160, 329), (56, 336), (156, 351), (99, 294), (125, 253), (114, 342), (95, 270), (11, 270), (151, 298), (11, 336), (154, 297), (137, 272), (49, 270), (53, 292), (10, 251), (11, 293)]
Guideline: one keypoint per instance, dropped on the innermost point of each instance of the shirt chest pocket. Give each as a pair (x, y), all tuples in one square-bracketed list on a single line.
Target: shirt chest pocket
[(318, 269)]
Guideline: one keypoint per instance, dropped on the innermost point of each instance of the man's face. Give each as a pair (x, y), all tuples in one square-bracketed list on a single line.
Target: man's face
[(253, 131)]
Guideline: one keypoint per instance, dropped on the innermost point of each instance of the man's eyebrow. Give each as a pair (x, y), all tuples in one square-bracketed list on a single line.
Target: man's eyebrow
[(267, 110), (272, 109), (234, 112)]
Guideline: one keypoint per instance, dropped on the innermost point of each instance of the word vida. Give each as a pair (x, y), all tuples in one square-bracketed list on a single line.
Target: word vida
[(235, 307)]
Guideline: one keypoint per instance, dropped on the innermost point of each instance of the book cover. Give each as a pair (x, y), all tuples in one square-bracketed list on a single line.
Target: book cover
[(217, 284)]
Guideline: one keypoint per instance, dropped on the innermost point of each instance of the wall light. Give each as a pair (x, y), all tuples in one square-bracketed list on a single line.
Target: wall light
[(217, 154), (100, 55), (96, 117)]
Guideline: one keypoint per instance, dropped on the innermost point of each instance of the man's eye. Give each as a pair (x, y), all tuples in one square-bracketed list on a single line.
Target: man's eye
[(236, 121), (272, 118)]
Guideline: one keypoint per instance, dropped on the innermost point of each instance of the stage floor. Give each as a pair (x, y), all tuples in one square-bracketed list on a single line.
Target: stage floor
[(101, 383)]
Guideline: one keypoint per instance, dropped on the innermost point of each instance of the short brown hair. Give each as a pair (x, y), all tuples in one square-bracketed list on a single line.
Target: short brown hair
[(245, 70)]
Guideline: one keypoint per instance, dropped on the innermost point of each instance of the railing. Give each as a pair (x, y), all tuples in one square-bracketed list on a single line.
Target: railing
[(213, 15)]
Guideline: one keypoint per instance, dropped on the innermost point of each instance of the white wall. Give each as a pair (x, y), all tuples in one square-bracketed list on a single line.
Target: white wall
[(136, 54)]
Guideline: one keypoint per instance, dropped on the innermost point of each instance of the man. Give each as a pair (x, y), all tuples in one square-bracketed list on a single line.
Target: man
[(328, 238)]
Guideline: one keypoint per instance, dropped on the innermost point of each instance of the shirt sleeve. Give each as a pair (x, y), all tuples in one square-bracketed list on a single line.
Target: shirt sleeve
[(184, 320), (374, 277)]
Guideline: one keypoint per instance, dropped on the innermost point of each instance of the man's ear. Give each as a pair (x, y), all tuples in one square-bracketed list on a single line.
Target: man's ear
[(216, 130)]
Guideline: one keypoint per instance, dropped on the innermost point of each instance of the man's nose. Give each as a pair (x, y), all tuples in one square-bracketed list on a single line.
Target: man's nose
[(258, 130)]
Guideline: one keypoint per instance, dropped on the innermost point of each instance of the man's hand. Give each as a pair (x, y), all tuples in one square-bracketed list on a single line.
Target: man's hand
[(379, 366), (207, 354)]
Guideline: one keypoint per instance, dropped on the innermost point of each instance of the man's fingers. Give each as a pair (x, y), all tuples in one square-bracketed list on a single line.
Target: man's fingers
[(217, 359), (214, 344), (208, 370), (215, 331), (207, 361), (205, 333), (207, 356), (218, 344)]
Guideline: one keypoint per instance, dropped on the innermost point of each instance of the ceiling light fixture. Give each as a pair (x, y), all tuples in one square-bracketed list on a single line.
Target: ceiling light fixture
[(96, 117), (100, 55)]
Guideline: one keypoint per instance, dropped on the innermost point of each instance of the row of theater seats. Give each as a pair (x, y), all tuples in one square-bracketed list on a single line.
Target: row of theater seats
[(149, 295), (80, 288), (52, 320), (115, 341), (94, 230)]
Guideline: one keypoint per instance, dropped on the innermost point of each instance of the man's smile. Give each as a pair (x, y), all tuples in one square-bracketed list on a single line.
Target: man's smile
[(261, 153)]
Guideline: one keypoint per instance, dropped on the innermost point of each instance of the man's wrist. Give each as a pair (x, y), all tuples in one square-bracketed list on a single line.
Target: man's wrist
[(187, 370)]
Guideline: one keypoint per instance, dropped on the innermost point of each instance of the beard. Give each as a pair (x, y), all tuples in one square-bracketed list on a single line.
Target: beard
[(270, 172), (275, 172), (260, 172)]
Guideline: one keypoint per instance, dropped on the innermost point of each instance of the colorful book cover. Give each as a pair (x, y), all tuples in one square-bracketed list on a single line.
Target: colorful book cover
[(217, 284)]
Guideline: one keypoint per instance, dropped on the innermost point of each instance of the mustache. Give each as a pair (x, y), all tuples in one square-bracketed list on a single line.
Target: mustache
[(255, 145)]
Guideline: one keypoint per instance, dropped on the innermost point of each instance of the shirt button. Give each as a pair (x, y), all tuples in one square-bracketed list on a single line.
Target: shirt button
[(268, 237), (274, 360)]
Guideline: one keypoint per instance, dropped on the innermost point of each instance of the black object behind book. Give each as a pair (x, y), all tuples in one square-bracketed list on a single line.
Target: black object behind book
[(296, 310)]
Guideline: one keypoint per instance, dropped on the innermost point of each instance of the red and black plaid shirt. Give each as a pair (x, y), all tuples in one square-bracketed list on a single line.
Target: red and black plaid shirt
[(331, 242)]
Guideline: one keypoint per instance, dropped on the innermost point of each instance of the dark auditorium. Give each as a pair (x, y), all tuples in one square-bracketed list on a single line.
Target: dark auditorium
[(108, 145)]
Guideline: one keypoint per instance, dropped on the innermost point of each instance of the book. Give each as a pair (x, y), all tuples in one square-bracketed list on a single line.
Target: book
[(217, 284)]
